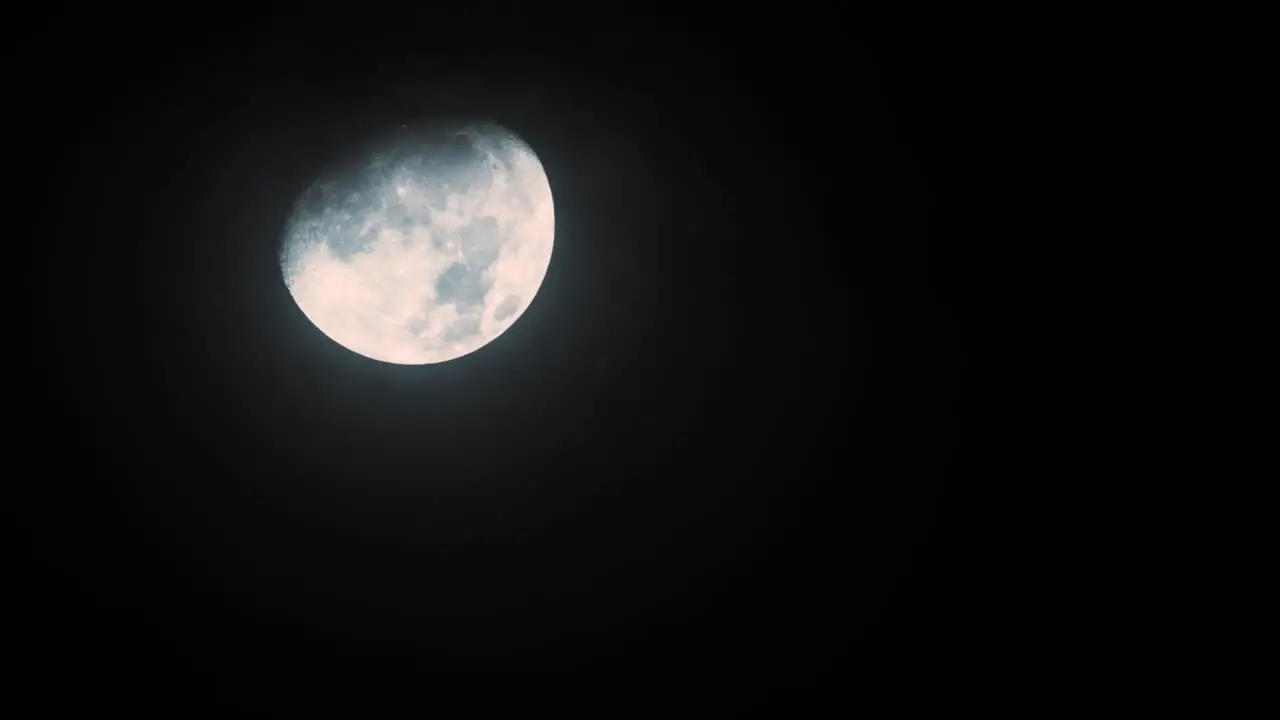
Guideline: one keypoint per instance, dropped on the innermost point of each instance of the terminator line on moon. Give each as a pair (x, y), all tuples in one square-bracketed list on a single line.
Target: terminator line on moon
[(426, 250)]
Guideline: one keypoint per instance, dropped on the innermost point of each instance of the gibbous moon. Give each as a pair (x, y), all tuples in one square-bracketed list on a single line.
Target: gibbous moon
[(427, 248)]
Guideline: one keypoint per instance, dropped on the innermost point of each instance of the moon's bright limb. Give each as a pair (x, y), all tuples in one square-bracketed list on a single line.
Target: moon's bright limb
[(426, 252)]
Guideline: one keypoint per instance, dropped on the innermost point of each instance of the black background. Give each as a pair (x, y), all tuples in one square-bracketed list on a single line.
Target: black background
[(806, 387)]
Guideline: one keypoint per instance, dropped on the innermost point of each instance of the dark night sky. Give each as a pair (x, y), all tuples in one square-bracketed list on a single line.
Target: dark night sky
[(806, 386)]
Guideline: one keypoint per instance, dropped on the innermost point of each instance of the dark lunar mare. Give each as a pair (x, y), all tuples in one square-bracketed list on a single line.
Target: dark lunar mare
[(506, 308)]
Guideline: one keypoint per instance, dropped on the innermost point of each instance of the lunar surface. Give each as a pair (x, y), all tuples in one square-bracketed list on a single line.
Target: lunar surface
[(425, 249)]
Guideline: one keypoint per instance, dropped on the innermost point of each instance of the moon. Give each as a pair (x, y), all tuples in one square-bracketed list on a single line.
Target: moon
[(426, 247)]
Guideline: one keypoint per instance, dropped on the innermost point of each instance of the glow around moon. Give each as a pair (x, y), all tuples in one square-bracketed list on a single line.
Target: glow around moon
[(425, 250)]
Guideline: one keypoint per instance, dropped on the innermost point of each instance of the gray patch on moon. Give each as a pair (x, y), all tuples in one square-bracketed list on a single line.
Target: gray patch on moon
[(344, 237), (506, 308), (332, 213), (461, 329), (481, 242), (463, 284)]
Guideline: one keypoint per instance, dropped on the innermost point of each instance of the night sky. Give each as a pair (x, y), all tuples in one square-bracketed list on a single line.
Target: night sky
[(806, 387)]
